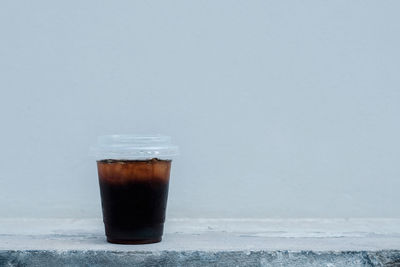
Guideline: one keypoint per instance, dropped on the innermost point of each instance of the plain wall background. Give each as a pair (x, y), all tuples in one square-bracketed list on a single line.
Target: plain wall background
[(280, 108)]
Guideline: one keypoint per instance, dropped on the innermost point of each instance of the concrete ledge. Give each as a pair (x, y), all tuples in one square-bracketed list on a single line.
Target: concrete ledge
[(198, 258), (200, 242)]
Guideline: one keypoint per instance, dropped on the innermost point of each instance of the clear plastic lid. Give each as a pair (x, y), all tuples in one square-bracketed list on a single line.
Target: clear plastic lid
[(134, 147)]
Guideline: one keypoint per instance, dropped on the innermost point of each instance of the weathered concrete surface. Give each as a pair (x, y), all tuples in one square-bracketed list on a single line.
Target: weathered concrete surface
[(198, 258), (200, 242)]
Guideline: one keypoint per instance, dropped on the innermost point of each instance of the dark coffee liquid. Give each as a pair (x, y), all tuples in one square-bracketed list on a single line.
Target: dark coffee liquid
[(134, 198)]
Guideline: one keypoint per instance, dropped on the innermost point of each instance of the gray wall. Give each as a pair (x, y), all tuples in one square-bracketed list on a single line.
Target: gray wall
[(281, 108)]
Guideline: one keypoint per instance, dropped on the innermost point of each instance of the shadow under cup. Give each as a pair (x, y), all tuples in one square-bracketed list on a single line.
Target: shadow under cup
[(134, 176)]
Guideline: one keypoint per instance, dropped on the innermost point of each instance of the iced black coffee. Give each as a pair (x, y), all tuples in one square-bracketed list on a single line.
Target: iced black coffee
[(134, 193)]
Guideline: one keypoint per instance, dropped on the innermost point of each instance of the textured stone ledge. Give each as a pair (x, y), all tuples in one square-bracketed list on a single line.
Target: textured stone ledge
[(199, 258), (201, 242)]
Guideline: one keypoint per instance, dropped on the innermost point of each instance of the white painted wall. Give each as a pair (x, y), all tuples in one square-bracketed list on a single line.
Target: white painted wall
[(281, 108)]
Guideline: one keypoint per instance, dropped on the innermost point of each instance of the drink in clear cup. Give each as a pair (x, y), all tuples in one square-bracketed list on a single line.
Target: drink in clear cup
[(134, 177)]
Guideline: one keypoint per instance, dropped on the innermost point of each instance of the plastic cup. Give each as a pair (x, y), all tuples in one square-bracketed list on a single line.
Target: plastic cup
[(134, 176)]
